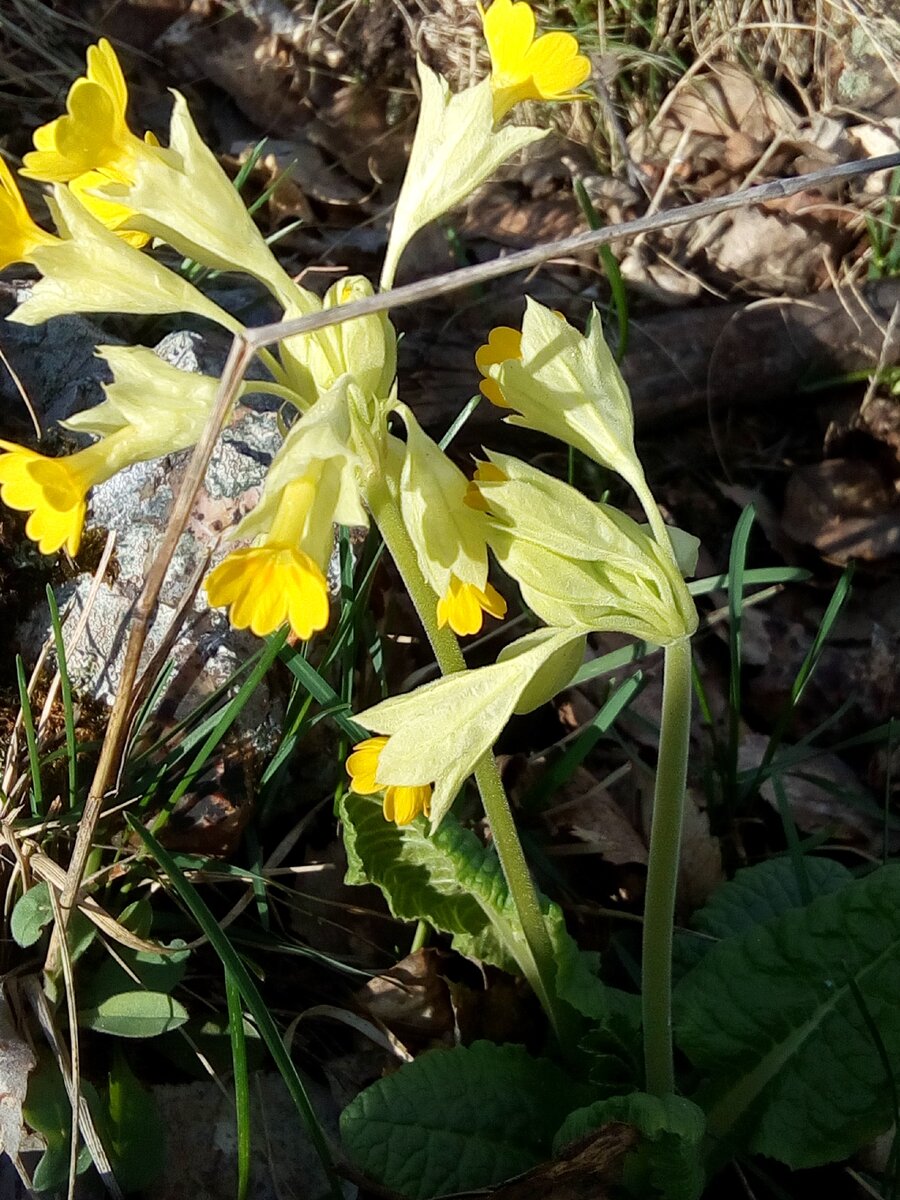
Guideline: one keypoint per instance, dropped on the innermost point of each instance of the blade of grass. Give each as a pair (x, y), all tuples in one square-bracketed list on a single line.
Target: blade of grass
[(34, 763), (610, 266), (561, 770), (241, 1082), (322, 691), (736, 569), (65, 690), (803, 676), (223, 723), (254, 1002)]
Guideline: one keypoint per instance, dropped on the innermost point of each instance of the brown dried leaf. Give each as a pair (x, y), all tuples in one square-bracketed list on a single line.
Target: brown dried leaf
[(845, 509)]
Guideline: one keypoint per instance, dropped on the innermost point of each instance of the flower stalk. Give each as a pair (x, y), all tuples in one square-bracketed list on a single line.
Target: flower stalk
[(662, 869), (537, 963)]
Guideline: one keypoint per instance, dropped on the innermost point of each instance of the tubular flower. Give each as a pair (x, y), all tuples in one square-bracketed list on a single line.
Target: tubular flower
[(503, 343), (449, 535), (93, 135), (54, 490), (108, 212), (19, 235), (266, 585), (400, 804), (525, 67)]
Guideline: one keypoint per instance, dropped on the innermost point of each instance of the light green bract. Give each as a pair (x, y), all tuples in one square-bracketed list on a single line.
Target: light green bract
[(455, 149), (440, 731)]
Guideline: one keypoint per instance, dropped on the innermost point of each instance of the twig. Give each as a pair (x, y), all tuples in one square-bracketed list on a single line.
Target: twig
[(523, 260), (117, 730)]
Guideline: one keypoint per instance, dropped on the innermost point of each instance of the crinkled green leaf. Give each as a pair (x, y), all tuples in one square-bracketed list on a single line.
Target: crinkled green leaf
[(766, 890), (771, 1018), (455, 1120), (136, 1014), (756, 893), (453, 882), (667, 1162)]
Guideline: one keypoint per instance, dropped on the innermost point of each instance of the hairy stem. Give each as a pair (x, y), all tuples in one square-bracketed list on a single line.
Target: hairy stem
[(536, 957), (662, 870)]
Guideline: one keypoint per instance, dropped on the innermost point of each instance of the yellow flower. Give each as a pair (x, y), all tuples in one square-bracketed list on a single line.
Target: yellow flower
[(18, 233), (268, 585), (463, 604), (54, 490), (400, 804), (503, 343), (265, 585), (525, 67), (485, 472), (94, 134)]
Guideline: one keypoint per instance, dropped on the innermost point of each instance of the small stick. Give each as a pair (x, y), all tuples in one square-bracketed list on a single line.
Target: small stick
[(117, 730), (523, 260)]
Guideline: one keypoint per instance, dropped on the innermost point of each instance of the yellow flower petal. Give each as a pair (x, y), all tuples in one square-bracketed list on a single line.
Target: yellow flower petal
[(463, 607), (503, 344), (18, 233), (51, 489), (401, 803), (93, 133), (363, 763), (108, 212), (266, 585), (525, 67)]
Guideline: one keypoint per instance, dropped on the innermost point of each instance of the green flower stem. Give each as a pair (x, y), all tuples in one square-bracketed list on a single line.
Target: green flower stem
[(662, 869), (537, 964)]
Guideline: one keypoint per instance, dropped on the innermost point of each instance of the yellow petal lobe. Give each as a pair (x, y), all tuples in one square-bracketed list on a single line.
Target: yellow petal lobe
[(265, 586), (527, 68), (503, 344), (51, 490), (401, 804), (463, 606)]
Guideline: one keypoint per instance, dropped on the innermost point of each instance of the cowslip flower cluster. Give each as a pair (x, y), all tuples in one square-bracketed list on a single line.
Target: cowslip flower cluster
[(581, 566), (114, 195)]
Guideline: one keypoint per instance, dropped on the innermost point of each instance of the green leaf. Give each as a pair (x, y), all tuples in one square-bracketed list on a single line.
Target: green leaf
[(766, 890), (135, 1014), (455, 883), (756, 894), (32, 912), (137, 1132), (779, 1019), (456, 1120), (47, 1110), (667, 1163)]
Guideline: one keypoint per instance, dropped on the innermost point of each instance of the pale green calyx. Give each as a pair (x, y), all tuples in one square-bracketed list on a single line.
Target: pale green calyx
[(455, 149), (440, 731), (448, 535), (581, 563), (318, 446), (364, 348), (568, 385), (90, 269), (167, 408)]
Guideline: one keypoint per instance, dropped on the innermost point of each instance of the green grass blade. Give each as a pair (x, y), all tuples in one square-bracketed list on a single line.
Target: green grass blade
[(561, 770), (610, 266), (65, 692), (254, 1002), (803, 676), (736, 569), (241, 1082), (461, 418), (34, 761), (322, 691), (223, 723)]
